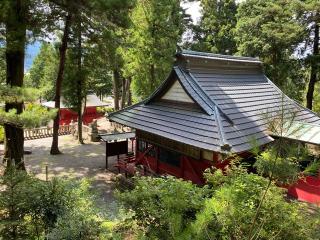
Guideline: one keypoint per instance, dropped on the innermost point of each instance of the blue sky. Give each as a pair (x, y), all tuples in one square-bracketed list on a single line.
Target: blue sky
[(31, 51)]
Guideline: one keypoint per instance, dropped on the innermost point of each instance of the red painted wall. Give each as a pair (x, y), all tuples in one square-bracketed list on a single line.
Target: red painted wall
[(67, 115), (307, 189), (190, 169)]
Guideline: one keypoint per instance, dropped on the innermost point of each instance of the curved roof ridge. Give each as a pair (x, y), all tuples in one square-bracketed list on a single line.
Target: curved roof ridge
[(223, 141), (201, 95), (127, 108), (158, 89), (211, 101), (190, 53)]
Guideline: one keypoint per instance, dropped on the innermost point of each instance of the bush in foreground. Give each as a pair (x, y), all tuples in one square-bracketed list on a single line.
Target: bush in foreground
[(226, 208), (163, 207), (57, 209)]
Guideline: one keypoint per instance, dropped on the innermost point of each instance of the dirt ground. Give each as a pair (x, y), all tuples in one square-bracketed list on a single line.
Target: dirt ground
[(76, 161)]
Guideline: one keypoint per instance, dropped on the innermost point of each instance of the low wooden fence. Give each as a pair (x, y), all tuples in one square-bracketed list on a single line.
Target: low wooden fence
[(86, 130), (119, 127), (43, 132)]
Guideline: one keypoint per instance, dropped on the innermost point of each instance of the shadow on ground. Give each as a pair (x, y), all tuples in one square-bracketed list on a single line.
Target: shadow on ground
[(77, 161)]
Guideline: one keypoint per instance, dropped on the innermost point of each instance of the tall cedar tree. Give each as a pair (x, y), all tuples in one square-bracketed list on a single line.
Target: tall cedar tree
[(314, 66), (43, 71), (108, 51), (80, 82), (16, 27), (74, 89), (69, 10), (2, 65), (157, 27), (267, 29), (215, 32), (16, 17), (62, 59), (99, 14), (311, 18)]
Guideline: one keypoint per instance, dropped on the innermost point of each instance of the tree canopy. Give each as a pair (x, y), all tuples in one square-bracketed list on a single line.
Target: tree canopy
[(215, 32), (268, 30), (44, 70), (157, 28)]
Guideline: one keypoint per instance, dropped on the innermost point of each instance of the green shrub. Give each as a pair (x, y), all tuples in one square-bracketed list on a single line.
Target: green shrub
[(230, 213), (313, 168), (284, 170), (14, 206), (82, 219), (163, 208), (225, 208), (105, 110), (58, 209)]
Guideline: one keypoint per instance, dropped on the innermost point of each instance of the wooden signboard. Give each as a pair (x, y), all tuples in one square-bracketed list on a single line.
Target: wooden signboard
[(116, 148)]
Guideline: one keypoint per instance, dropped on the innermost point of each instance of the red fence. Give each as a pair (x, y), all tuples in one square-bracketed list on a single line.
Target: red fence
[(307, 189)]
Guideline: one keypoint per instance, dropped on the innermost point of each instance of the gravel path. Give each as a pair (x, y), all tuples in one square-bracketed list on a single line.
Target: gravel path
[(77, 161)]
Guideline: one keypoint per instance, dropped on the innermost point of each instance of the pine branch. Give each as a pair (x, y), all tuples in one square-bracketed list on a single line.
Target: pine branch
[(18, 94), (34, 116)]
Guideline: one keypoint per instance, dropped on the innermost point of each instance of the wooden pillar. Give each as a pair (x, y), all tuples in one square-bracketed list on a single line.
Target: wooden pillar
[(215, 157), (136, 147), (182, 166), (106, 155), (132, 150), (157, 159), (127, 146)]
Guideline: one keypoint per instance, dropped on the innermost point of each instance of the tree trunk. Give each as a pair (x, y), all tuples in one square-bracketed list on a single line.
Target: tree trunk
[(15, 51), (79, 85), (116, 81), (129, 92), (314, 65), (62, 51), (124, 92)]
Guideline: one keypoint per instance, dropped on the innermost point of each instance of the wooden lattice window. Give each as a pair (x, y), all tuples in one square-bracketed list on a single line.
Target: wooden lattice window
[(169, 157)]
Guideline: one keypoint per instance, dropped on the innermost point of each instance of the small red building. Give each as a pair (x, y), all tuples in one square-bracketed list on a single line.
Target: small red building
[(90, 113), (209, 105)]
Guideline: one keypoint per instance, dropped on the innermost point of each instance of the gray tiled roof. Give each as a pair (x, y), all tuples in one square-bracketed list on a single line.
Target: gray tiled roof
[(232, 100), (190, 126)]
